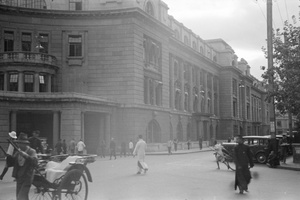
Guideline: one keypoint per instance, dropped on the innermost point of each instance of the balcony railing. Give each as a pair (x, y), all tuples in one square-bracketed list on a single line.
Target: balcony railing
[(28, 57)]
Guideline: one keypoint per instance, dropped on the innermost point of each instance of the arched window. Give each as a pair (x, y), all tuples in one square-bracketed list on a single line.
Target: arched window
[(176, 34), (179, 132), (149, 8), (177, 100), (194, 45), (153, 132), (186, 40)]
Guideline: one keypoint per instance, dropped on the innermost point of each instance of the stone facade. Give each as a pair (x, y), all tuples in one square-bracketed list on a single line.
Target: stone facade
[(119, 69)]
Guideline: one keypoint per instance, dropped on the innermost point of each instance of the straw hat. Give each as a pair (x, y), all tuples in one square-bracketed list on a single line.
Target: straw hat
[(13, 134)]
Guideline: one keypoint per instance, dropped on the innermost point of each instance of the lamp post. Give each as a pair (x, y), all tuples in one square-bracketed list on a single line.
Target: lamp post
[(270, 64)]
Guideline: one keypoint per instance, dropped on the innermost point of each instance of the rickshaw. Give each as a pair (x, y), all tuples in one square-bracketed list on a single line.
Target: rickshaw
[(223, 156), (61, 177)]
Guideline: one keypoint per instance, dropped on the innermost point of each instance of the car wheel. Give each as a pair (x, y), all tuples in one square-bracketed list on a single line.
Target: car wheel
[(261, 158)]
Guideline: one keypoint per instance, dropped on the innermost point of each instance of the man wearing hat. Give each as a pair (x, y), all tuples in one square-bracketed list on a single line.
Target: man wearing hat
[(243, 160), (25, 162), (9, 154)]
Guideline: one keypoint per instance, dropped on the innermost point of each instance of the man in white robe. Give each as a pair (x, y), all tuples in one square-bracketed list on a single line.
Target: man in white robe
[(140, 152)]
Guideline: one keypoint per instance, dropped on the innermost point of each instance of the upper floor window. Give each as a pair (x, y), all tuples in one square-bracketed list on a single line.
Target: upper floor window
[(75, 45), (75, 4), (42, 83), (8, 41), (194, 45), (234, 86), (149, 8), (176, 34), (43, 41), (152, 54), (26, 41), (1, 81), (28, 83), (13, 82), (201, 50), (186, 40)]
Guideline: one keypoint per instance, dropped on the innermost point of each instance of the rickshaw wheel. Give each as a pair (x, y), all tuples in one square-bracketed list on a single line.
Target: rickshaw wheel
[(36, 193), (73, 186)]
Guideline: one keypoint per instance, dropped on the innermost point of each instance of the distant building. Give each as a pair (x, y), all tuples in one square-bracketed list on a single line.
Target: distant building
[(282, 123), (119, 68)]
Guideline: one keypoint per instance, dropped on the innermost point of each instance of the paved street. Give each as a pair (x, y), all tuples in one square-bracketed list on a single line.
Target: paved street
[(183, 177)]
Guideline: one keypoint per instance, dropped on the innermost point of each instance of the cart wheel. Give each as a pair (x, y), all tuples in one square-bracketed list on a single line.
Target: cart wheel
[(37, 193), (73, 186)]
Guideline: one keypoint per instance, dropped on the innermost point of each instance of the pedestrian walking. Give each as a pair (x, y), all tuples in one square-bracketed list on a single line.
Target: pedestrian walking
[(102, 149), (272, 152), (189, 144), (72, 146), (130, 145), (123, 149), (112, 148), (140, 152), (64, 146), (25, 160), (243, 160), (58, 147), (35, 142), (170, 144), (9, 161), (200, 142), (80, 147), (175, 144), (284, 148)]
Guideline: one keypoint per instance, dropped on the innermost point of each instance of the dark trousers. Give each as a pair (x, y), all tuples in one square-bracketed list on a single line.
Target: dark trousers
[(23, 187)]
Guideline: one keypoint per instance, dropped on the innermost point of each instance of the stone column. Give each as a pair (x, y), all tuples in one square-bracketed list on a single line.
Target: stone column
[(21, 82), (5, 88), (49, 83), (107, 132), (56, 127), (171, 82), (212, 96), (182, 95), (36, 82), (13, 121), (191, 95)]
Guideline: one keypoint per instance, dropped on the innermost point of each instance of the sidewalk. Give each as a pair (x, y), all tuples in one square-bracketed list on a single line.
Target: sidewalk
[(289, 164)]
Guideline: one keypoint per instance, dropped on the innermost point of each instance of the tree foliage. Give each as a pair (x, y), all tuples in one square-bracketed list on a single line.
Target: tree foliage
[(285, 72)]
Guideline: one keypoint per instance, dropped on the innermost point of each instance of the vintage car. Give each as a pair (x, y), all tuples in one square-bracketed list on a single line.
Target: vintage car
[(257, 144)]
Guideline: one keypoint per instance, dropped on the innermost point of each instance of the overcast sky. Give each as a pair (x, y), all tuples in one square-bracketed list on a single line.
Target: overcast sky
[(241, 23)]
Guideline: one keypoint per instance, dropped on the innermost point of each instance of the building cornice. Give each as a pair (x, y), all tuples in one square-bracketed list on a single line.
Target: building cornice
[(92, 14)]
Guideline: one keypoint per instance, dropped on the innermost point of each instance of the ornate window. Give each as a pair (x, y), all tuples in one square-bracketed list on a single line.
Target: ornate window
[(75, 45), (176, 34), (152, 54), (149, 8), (43, 83), (8, 41), (43, 41), (75, 4), (186, 40), (1, 81), (153, 132), (26, 41), (13, 82), (28, 82)]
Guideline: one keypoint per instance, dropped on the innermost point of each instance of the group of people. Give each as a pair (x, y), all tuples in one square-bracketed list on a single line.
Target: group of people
[(62, 148), (113, 149)]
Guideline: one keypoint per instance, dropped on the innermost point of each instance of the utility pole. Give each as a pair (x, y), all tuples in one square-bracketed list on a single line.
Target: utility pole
[(270, 63)]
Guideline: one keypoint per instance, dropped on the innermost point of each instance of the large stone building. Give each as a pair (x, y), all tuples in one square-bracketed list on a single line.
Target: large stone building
[(96, 69)]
